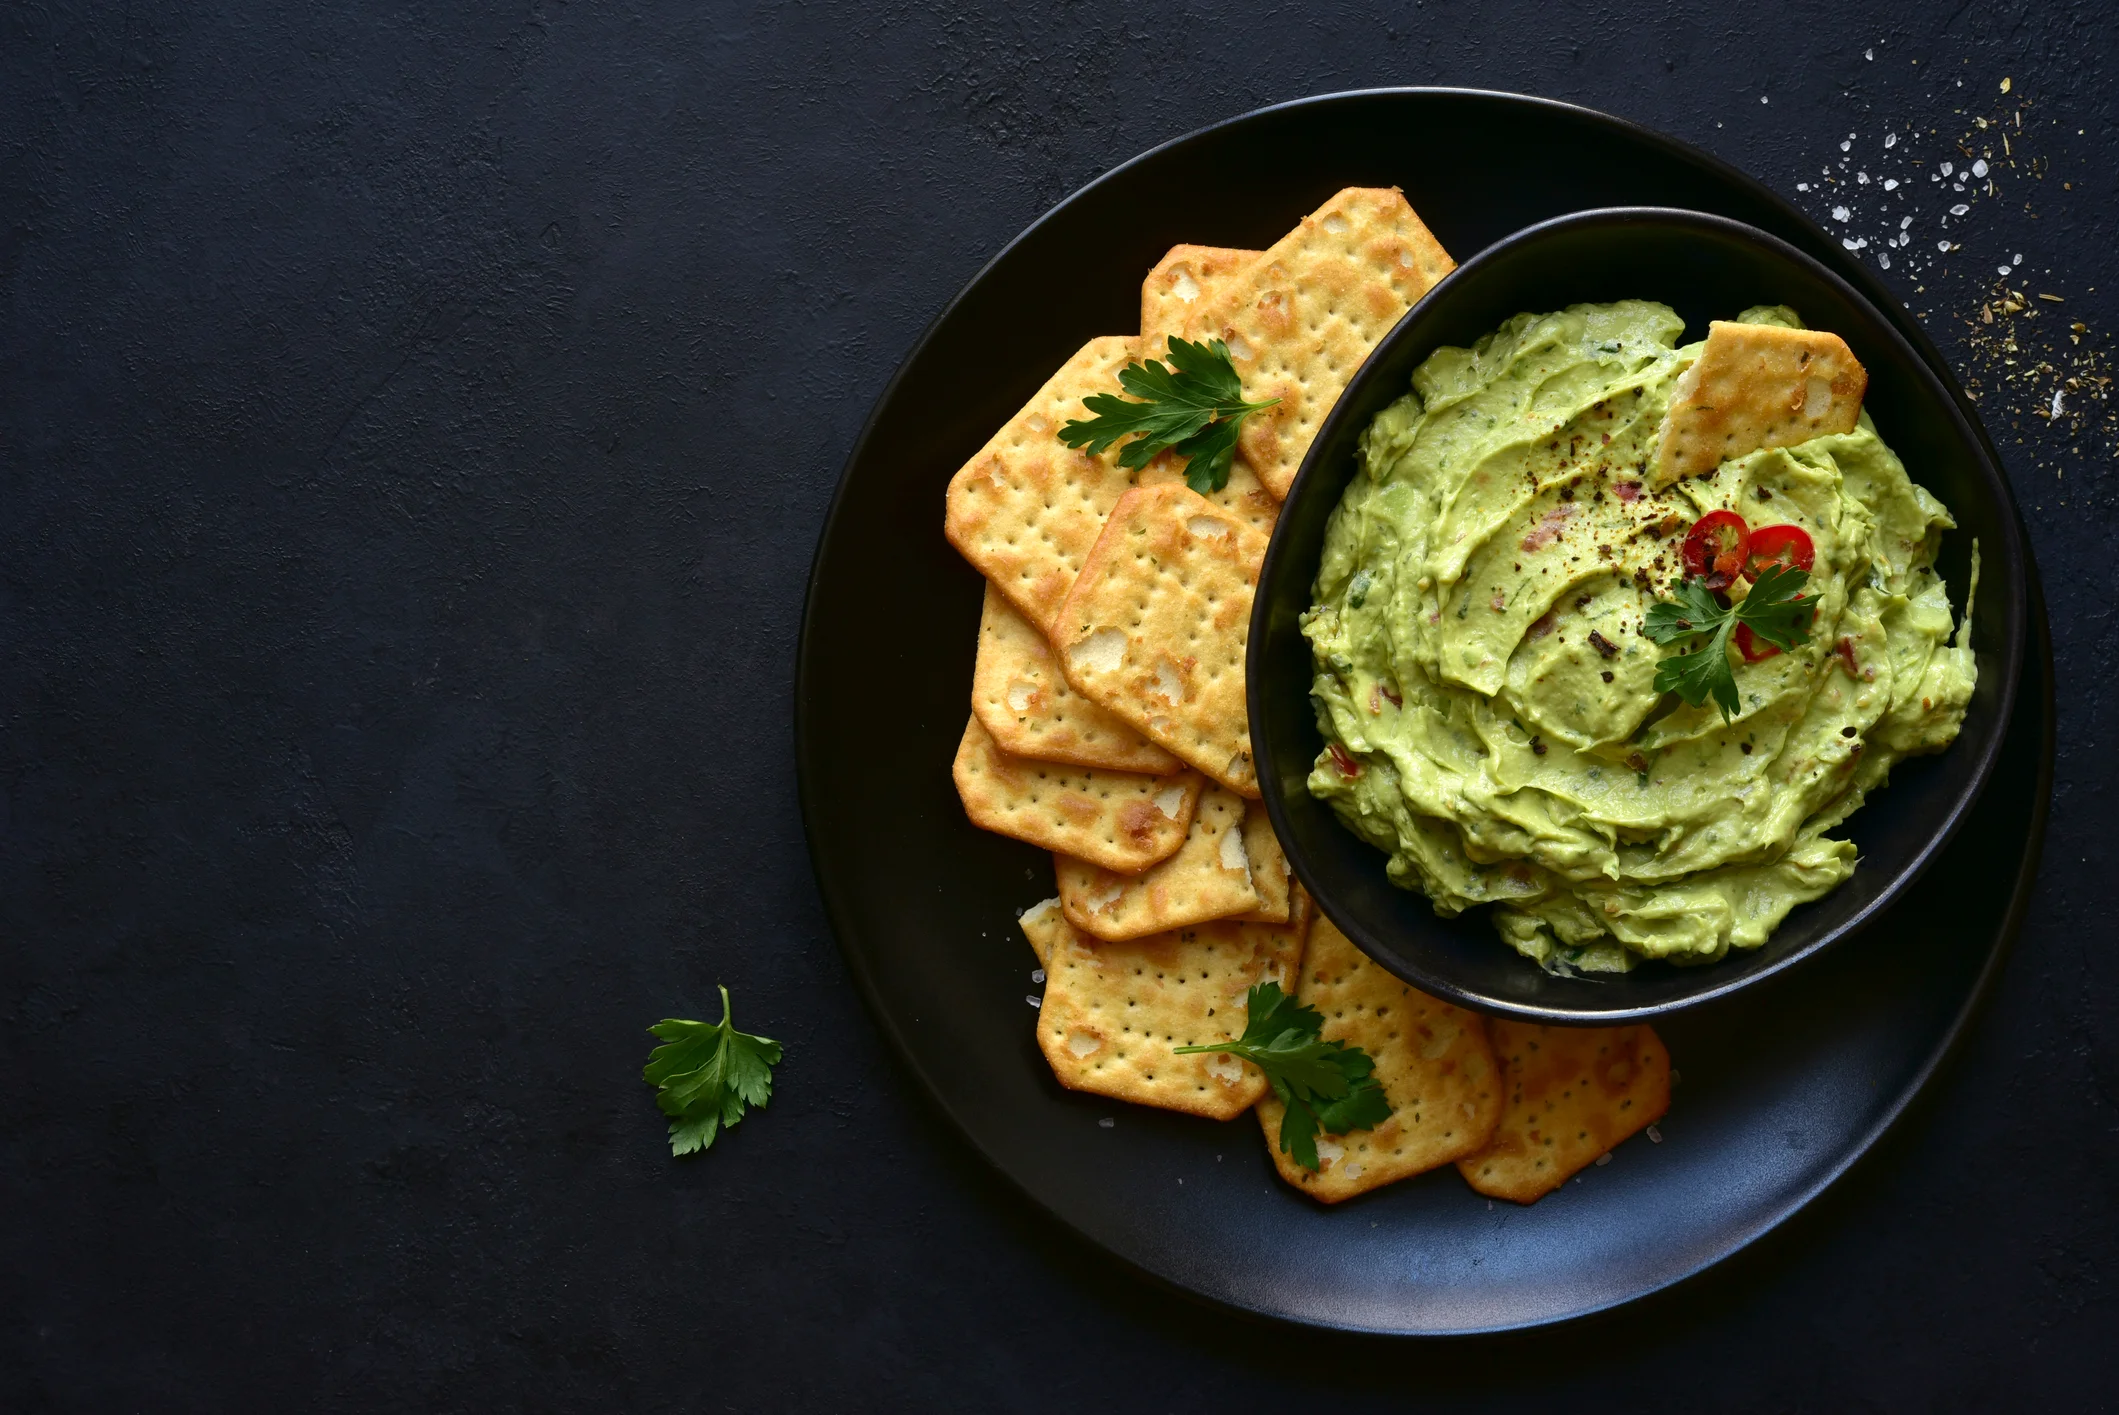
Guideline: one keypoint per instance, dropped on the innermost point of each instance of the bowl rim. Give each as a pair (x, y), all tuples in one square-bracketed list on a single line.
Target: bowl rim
[(2009, 561)]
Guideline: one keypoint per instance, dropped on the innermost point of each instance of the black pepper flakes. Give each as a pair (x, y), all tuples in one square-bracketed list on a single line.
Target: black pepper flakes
[(1537, 744), (1603, 646)]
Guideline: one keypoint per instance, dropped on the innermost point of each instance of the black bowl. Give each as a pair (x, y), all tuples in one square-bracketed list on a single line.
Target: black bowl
[(1705, 267)]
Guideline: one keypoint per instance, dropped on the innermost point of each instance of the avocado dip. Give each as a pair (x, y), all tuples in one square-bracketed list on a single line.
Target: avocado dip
[(1486, 693)]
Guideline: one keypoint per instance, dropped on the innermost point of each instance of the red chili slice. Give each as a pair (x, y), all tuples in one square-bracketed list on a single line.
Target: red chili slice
[(1779, 545), (1348, 767), (1753, 648), (1715, 549)]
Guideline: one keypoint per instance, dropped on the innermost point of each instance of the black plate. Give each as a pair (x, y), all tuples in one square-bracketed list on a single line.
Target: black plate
[(1782, 1089), (1704, 267)]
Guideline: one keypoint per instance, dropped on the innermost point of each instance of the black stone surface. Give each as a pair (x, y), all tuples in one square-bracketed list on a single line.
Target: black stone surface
[(415, 423)]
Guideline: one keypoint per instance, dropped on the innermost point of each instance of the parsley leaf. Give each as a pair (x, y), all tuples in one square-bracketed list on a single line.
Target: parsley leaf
[(1772, 611), (1328, 1088), (705, 1076), (1193, 406)]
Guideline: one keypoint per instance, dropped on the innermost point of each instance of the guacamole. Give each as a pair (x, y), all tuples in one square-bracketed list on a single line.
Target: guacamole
[(1486, 693)]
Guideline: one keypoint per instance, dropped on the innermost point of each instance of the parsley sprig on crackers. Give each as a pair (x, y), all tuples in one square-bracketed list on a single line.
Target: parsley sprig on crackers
[(1192, 406), (1327, 1087)]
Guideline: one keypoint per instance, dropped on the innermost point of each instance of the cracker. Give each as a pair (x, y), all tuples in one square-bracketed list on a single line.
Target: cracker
[(1154, 629), (1112, 1012), (1242, 493), (1301, 318), (1023, 700), (1270, 875), (1432, 1059), (1208, 878), (1181, 281), (1027, 508), (1569, 1094), (1755, 386), (1122, 820)]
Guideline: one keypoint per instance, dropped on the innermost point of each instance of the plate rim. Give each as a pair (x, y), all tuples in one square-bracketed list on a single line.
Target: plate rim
[(838, 912)]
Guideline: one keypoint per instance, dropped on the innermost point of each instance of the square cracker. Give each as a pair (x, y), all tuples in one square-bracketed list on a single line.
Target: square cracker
[(1432, 1059), (1299, 320), (1027, 508), (1122, 820), (1155, 627), (1022, 699), (1208, 878), (1113, 1012), (1569, 1094), (1270, 875), (1179, 283), (1754, 386)]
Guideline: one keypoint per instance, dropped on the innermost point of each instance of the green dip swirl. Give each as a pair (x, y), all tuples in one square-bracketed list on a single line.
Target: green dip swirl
[(1476, 629)]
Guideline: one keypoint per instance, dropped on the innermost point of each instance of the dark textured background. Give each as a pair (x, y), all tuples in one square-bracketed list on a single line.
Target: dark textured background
[(414, 430)]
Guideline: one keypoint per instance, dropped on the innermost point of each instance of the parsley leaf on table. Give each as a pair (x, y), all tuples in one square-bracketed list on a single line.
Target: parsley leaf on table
[(1193, 406), (706, 1075), (1328, 1088), (1771, 611)]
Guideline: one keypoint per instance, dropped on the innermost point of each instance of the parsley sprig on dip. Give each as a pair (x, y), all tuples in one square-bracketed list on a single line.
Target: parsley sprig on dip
[(1192, 406), (1327, 1088), (706, 1075), (1771, 612)]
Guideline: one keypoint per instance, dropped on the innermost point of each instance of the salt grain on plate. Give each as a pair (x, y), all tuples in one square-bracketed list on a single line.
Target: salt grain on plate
[(1946, 169), (1035, 1001), (1106, 1123), (1840, 213), (1655, 1135), (1890, 184), (1604, 1158), (1890, 140), (1979, 168), (1960, 209), (1037, 975)]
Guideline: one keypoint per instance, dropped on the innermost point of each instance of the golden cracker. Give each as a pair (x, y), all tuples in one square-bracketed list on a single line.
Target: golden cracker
[(1122, 820), (1569, 1094), (1270, 874), (1301, 318), (1756, 386), (1182, 282), (1023, 701), (1154, 629), (1027, 508), (1113, 1012), (1208, 878), (1241, 494), (1432, 1059)]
